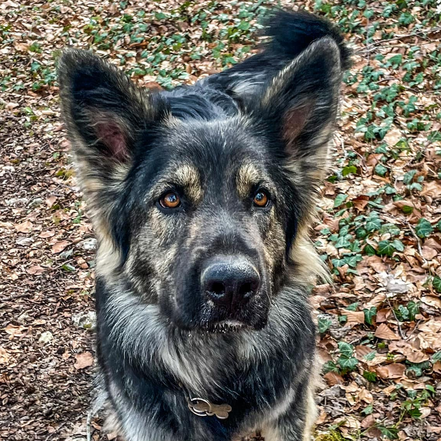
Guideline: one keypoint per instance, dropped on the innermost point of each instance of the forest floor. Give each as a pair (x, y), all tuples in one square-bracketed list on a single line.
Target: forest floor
[(379, 227)]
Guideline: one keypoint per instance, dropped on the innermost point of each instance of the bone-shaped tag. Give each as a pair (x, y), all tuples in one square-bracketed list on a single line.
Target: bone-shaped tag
[(201, 407)]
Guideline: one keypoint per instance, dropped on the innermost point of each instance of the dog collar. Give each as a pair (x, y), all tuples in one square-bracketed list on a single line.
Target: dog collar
[(203, 408)]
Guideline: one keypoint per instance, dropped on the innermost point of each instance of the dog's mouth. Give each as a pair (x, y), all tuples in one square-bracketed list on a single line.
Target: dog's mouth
[(226, 326)]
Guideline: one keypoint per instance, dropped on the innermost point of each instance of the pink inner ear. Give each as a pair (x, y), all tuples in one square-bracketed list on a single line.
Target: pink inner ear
[(294, 122), (112, 135)]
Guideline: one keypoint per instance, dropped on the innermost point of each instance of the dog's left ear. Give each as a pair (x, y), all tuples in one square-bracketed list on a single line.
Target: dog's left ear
[(300, 103)]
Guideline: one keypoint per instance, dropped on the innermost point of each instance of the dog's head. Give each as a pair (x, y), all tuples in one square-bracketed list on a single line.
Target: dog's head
[(199, 207)]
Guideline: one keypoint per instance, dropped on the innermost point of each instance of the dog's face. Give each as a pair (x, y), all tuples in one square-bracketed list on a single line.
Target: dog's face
[(199, 209)]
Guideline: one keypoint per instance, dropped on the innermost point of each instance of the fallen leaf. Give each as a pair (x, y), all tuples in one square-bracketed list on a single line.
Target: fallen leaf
[(24, 227), (51, 201), (391, 371), (14, 331), (83, 360), (46, 234), (385, 333), (366, 396), (354, 316), (4, 356), (428, 252), (332, 378), (58, 247), (432, 301), (432, 189), (382, 315), (393, 136), (35, 270)]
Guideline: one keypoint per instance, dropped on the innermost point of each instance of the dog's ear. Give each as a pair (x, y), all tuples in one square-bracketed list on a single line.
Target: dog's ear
[(105, 114), (103, 110), (300, 104)]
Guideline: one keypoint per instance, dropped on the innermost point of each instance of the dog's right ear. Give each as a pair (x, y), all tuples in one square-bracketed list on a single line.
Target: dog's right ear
[(105, 114), (102, 108)]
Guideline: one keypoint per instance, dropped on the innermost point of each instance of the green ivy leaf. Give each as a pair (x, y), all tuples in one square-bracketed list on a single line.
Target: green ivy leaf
[(345, 349), (436, 357), (339, 199), (385, 248), (368, 410), (369, 314), (348, 170), (353, 306), (414, 413), (370, 376), (436, 282), (414, 309), (370, 356), (423, 228), (389, 432), (324, 324), (398, 245), (380, 170), (347, 363), (330, 366)]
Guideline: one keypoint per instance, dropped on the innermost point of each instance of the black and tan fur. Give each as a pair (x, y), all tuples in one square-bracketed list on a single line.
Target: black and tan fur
[(165, 333)]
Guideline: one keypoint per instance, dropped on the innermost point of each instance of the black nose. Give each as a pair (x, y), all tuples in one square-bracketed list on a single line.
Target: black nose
[(230, 281)]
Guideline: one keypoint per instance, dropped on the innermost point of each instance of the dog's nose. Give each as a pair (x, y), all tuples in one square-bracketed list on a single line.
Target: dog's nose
[(230, 281)]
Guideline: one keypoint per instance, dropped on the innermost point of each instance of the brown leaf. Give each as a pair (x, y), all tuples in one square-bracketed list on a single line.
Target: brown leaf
[(14, 331), (432, 189), (368, 422), (361, 351), (35, 270), (382, 315), (366, 396), (46, 234), (428, 252), (392, 137), (354, 316), (58, 247), (360, 202), (437, 367), (332, 378), (376, 301), (24, 227), (51, 201), (83, 360), (391, 371), (433, 301), (4, 356), (385, 333)]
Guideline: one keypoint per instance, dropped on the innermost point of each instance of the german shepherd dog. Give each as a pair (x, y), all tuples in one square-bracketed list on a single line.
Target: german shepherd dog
[(201, 198)]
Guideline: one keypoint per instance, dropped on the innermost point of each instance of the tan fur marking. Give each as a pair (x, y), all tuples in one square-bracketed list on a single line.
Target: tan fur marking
[(184, 175), (247, 176)]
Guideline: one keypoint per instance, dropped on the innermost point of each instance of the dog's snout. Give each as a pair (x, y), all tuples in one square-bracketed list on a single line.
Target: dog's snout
[(230, 281)]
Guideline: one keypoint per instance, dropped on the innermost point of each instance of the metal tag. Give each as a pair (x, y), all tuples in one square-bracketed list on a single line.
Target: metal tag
[(203, 408)]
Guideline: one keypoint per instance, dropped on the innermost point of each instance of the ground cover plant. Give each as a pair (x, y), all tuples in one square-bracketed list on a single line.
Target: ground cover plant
[(378, 227)]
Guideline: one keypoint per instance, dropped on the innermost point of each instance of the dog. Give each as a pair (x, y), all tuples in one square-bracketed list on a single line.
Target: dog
[(201, 198)]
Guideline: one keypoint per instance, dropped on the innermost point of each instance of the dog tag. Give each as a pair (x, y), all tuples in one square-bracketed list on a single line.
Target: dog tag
[(221, 411), (202, 408)]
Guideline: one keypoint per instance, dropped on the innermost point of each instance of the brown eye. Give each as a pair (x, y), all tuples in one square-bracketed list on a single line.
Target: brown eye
[(170, 200), (260, 199)]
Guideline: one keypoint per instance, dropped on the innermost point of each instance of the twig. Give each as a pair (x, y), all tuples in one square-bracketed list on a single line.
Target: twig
[(398, 37), (396, 318), (418, 241)]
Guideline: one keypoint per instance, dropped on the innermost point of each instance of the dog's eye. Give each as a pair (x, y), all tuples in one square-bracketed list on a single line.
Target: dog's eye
[(170, 200), (261, 198)]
